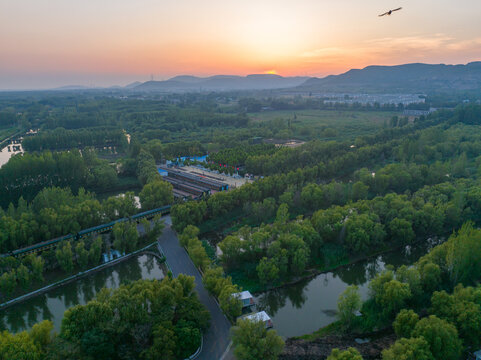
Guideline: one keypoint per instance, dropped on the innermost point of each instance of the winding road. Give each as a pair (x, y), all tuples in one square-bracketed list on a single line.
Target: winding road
[(216, 338)]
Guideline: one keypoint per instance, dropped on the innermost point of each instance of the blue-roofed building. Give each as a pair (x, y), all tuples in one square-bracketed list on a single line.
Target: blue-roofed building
[(246, 298), (163, 172)]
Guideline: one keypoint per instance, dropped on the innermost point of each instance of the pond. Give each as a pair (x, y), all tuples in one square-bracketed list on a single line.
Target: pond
[(52, 304), (304, 307)]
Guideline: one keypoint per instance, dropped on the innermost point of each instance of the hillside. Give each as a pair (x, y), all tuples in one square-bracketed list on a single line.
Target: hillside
[(401, 78), (222, 82)]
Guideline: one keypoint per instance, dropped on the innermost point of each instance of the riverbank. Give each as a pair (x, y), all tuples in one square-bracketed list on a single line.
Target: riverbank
[(80, 275), (52, 304), (313, 272), (320, 349)]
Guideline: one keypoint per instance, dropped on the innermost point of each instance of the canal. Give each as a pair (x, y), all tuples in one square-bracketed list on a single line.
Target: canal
[(304, 307), (52, 304)]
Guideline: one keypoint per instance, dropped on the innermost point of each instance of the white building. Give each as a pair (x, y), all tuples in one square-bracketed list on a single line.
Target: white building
[(261, 316)]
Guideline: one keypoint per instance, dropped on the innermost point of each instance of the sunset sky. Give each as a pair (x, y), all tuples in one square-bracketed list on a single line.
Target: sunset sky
[(49, 43)]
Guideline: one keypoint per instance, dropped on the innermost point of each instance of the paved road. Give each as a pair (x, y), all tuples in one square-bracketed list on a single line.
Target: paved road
[(216, 338)]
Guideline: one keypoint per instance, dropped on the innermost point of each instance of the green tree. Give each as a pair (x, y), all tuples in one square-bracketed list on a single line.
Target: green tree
[(65, 257), (411, 276), (359, 190), (8, 282), (430, 276), (125, 236), (267, 271), (189, 232), (394, 297), (401, 231), (409, 349), (349, 354), (404, 323), (282, 215), (156, 194), (97, 344), (80, 319), (214, 280), (23, 276), (198, 254), (42, 334), (300, 259), (252, 341), (37, 263), (95, 251), (376, 285), (164, 344), (153, 228), (230, 305), (231, 248), (189, 213), (348, 303), (82, 255), (441, 336), (188, 339), (463, 309), (18, 347)]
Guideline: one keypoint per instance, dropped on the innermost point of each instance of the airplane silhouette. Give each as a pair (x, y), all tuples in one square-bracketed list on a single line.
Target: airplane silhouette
[(390, 11)]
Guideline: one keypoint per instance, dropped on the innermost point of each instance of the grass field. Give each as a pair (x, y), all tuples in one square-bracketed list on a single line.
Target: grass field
[(323, 124)]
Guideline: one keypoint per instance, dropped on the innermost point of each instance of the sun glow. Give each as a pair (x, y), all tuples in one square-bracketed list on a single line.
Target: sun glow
[(88, 42)]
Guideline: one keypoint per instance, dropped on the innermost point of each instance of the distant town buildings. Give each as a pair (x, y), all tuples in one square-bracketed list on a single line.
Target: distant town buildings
[(418, 112), (371, 99)]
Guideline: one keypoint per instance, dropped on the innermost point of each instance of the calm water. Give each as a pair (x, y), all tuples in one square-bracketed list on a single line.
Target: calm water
[(52, 305), (305, 307)]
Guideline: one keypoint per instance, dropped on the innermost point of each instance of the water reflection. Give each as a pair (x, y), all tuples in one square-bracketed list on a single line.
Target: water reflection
[(306, 306), (52, 305)]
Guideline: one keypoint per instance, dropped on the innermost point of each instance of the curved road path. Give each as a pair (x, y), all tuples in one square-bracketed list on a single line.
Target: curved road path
[(216, 338)]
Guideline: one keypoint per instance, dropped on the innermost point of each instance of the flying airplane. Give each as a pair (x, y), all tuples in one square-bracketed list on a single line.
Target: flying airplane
[(390, 11)]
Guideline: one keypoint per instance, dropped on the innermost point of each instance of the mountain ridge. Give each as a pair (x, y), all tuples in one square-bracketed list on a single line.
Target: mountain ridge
[(223, 82), (413, 77)]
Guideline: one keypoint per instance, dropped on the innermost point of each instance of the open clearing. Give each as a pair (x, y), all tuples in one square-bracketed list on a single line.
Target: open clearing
[(325, 124)]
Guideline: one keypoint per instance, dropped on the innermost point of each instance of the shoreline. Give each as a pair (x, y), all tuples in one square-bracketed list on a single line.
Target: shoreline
[(78, 276), (315, 272)]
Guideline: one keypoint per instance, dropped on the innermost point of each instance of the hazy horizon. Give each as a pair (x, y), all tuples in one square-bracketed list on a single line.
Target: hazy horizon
[(131, 79), (101, 44)]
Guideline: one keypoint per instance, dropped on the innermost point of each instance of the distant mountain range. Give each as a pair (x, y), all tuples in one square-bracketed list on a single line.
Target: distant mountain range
[(409, 78), (222, 83)]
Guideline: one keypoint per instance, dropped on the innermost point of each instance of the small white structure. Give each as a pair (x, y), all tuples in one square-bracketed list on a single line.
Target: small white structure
[(246, 298), (477, 355), (261, 316), (112, 255), (357, 313)]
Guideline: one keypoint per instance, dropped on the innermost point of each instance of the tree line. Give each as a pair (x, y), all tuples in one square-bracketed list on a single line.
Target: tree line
[(61, 139), (146, 319), (439, 287), (456, 148), (21, 273), (26, 174)]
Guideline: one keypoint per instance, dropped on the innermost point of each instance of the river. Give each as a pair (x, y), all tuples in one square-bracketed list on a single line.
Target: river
[(52, 304), (304, 307)]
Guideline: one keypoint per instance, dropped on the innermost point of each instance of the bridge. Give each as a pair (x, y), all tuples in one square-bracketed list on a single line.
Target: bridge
[(53, 243)]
